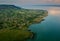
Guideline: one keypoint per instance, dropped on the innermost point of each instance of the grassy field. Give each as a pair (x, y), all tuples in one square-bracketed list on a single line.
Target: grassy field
[(14, 35)]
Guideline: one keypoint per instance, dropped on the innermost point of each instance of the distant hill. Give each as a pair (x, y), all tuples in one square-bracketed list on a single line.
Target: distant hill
[(48, 5), (9, 6)]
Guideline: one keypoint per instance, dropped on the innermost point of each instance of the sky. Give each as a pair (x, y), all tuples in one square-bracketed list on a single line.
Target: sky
[(29, 2)]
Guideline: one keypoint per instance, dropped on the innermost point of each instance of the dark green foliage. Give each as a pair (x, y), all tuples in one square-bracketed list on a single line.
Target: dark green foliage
[(12, 17)]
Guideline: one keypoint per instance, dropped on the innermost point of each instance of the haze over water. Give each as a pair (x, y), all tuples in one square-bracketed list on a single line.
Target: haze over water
[(49, 29)]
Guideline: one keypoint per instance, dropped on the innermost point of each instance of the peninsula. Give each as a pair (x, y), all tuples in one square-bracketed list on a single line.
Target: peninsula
[(14, 22)]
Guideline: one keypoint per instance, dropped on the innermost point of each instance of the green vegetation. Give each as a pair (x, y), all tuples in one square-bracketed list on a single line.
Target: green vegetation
[(14, 22), (14, 35)]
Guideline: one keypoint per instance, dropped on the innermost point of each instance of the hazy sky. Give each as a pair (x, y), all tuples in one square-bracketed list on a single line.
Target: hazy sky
[(29, 2)]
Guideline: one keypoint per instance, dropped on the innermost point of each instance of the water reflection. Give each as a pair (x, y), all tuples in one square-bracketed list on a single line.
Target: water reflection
[(54, 11)]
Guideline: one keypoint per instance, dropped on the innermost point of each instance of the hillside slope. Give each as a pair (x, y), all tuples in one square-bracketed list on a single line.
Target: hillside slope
[(14, 22)]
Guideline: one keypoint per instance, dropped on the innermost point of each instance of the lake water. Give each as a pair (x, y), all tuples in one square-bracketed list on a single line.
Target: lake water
[(49, 29)]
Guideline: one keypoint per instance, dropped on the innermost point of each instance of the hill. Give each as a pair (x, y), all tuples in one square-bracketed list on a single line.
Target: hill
[(14, 22)]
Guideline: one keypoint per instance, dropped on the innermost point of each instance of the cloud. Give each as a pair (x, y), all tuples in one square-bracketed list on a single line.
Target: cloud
[(24, 2), (46, 1)]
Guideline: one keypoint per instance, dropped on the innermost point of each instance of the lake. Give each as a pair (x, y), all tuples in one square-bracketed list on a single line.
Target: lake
[(49, 29)]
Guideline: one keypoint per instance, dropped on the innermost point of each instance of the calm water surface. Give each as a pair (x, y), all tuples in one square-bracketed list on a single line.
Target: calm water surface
[(49, 29)]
